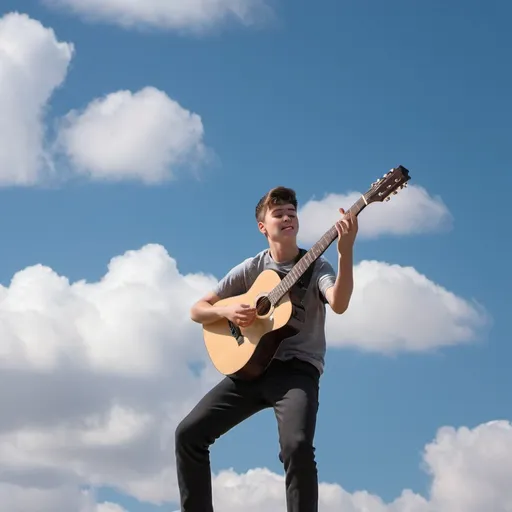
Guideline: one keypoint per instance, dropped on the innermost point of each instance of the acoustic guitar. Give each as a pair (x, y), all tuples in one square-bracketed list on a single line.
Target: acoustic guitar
[(246, 352)]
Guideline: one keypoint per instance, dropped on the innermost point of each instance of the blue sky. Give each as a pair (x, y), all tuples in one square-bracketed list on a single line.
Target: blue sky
[(321, 97)]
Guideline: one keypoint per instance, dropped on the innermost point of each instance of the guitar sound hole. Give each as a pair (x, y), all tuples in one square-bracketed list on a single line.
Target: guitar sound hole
[(263, 306)]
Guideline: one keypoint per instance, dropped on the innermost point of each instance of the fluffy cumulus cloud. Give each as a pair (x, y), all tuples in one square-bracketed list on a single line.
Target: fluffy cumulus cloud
[(143, 135), (101, 375), (412, 210), (470, 470), (396, 308), (189, 15), (260, 489), (94, 377), (33, 64)]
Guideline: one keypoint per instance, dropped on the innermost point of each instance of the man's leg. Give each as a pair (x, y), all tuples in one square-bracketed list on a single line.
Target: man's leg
[(295, 398), (223, 407)]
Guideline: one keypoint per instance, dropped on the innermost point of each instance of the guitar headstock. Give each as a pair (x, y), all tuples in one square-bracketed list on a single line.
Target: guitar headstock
[(388, 185)]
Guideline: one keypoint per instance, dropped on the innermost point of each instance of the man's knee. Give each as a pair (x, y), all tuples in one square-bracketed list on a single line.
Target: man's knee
[(185, 433), (190, 433), (297, 450)]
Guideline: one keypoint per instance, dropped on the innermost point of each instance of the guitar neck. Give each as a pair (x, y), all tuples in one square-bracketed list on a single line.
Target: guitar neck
[(311, 256)]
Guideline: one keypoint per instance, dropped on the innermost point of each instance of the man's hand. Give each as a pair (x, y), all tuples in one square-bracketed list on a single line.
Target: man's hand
[(347, 228), (240, 314)]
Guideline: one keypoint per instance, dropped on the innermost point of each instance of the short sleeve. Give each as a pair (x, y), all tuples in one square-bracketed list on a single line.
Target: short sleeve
[(234, 282), (326, 277)]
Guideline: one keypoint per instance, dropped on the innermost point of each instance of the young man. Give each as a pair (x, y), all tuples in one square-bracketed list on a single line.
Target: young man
[(291, 383)]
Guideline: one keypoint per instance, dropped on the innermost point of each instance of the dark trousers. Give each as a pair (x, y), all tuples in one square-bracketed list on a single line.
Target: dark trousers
[(291, 388)]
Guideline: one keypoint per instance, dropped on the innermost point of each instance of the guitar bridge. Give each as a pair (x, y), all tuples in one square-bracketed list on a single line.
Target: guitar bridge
[(236, 332)]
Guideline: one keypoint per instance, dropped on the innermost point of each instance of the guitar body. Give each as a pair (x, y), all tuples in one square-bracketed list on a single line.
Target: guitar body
[(247, 353)]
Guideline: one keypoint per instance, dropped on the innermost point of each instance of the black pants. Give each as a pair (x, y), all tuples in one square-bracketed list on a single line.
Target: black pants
[(291, 388)]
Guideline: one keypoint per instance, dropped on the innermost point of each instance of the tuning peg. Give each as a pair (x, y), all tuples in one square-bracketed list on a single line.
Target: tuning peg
[(387, 198)]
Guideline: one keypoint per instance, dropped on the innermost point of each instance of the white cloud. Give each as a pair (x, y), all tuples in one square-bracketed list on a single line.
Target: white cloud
[(411, 211), (190, 15), (260, 489), (101, 373), (17, 498), (109, 507), (395, 308), (470, 469), (33, 63), (143, 136)]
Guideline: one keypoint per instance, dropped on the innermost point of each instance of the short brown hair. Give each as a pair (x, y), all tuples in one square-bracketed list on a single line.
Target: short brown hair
[(278, 195)]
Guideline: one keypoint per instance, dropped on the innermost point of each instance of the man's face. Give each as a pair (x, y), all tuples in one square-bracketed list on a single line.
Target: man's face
[(280, 223)]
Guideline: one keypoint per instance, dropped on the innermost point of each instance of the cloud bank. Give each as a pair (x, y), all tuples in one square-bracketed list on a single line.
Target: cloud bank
[(470, 471), (94, 377)]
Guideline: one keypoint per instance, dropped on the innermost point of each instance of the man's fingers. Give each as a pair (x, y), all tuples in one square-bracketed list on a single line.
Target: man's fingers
[(244, 322), (248, 314), (245, 317), (342, 226)]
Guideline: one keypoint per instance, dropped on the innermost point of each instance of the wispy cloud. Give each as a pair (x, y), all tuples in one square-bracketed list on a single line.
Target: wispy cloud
[(181, 15)]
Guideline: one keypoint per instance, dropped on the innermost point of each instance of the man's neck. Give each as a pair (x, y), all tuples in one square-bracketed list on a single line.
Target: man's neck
[(282, 253)]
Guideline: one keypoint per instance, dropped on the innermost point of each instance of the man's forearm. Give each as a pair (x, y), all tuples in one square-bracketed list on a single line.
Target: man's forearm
[(344, 285), (205, 313)]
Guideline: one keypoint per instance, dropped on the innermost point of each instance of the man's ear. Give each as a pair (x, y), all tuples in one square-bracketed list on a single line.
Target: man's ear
[(262, 228)]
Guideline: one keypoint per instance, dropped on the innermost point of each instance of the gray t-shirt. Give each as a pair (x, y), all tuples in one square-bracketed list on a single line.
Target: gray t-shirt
[(309, 344)]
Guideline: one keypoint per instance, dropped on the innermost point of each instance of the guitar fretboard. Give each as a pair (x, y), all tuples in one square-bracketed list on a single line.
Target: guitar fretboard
[(311, 256)]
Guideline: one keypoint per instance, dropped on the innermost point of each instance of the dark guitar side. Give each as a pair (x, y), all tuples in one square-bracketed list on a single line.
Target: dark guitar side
[(264, 353)]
